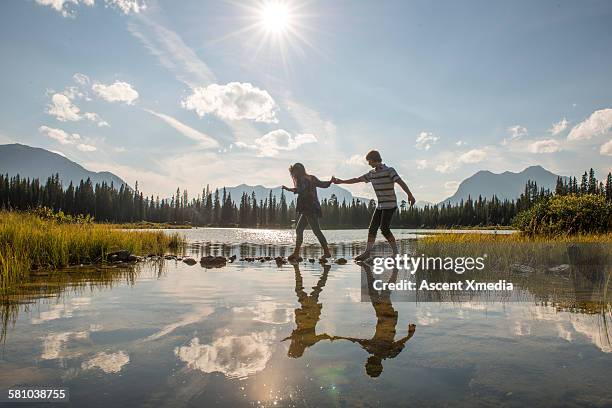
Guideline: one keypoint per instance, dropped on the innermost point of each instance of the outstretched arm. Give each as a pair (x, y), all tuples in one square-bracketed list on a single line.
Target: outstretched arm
[(292, 189), (323, 184), (411, 329), (404, 187), (354, 180)]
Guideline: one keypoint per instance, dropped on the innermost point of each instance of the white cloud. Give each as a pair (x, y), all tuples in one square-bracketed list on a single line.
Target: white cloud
[(271, 143), (204, 140), (460, 143), (517, 131), (66, 138), (127, 6), (425, 140), (117, 92), (473, 156), (86, 148), (544, 146), (606, 148), (559, 127), (65, 7), (421, 164), (60, 135), (233, 101), (63, 109), (110, 363), (598, 124)]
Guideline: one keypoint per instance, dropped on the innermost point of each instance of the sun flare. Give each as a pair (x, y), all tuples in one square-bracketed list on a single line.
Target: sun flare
[(275, 17)]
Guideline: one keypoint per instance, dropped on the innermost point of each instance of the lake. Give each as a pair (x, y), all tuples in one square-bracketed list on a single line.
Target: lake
[(163, 333)]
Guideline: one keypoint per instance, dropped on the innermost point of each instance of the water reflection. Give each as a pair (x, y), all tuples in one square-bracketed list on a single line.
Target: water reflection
[(234, 356), (383, 344), (307, 315), (174, 334)]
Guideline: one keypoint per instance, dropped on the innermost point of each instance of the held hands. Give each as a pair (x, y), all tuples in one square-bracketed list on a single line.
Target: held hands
[(336, 180), (411, 199)]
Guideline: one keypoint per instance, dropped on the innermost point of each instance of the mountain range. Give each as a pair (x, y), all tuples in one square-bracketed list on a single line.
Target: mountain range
[(506, 185), (39, 163), (34, 162)]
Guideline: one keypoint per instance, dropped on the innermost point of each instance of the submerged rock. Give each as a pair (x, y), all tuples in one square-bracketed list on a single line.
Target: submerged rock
[(341, 261), (122, 255), (213, 261), (190, 261), (311, 260)]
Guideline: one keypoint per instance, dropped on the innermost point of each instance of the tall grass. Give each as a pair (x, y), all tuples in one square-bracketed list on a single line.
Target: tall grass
[(27, 242)]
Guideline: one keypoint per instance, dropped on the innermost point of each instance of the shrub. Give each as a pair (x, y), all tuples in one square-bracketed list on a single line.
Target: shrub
[(566, 215)]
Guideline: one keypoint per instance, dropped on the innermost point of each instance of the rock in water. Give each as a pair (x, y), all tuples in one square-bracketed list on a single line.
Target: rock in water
[(341, 261), (123, 256), (213, 261), (190, 261), (280, 261)]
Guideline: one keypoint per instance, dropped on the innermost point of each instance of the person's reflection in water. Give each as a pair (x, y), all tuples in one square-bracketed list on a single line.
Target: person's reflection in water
[(307, 316), (383, 345)]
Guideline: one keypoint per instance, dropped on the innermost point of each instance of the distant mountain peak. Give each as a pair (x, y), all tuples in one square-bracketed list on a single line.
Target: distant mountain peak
[(35, 162), (506, 185)]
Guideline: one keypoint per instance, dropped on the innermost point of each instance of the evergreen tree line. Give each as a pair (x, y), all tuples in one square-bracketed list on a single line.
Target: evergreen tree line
[(106, 203)]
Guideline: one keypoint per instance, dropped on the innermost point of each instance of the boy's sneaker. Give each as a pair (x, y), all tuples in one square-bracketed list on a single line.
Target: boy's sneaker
[(362, 257)]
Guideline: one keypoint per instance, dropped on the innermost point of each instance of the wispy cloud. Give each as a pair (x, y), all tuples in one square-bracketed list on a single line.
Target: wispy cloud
[(66, 138), (203, 139), (559, 127), (171, 51)]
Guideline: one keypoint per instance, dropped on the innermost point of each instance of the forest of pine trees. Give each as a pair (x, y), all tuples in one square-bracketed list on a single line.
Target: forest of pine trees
[(218, 208)]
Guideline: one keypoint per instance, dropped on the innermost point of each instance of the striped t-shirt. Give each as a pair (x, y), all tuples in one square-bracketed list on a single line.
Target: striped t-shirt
[(383, 180)]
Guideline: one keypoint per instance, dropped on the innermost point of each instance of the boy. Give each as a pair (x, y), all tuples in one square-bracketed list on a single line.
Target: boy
[(383, 180)]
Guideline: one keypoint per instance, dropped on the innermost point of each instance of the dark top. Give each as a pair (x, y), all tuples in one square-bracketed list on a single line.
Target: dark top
[(307, 200)]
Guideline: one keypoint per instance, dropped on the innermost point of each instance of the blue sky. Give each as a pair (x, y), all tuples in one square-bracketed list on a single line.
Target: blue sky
[(184, 94)]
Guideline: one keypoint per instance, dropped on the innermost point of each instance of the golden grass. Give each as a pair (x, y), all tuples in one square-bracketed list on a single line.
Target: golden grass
[(27, 242), (515, 238), (150, 225)]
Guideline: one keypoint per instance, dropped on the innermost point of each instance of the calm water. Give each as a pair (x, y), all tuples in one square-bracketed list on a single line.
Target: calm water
[(168, 334)]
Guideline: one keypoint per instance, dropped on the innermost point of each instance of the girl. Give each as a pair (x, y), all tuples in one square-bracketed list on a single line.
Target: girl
[(308, 207)]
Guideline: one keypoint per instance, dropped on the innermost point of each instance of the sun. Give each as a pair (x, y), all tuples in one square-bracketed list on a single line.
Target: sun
[(275, 17)]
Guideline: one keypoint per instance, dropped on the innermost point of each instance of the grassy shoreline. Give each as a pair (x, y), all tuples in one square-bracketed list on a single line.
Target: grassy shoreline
[(515, 238), (28, 242)]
